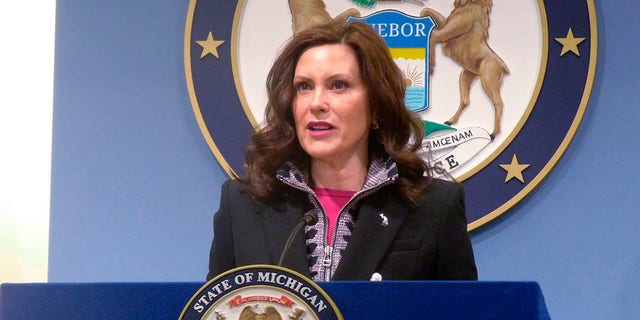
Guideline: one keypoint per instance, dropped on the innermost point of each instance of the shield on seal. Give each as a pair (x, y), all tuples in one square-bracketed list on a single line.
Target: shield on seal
[(408, 40)]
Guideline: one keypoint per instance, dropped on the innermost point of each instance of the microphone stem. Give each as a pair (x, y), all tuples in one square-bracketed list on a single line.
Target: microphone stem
[(287, 245)]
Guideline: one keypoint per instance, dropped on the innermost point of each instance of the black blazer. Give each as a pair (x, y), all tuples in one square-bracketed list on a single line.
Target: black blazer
[(424, 242)]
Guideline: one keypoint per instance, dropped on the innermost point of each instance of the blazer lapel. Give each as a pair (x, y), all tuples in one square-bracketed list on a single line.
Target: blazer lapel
[(278, 224), (370, 239)]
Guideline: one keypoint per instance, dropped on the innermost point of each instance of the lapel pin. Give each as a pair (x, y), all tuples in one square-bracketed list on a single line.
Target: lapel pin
[(385, 221)]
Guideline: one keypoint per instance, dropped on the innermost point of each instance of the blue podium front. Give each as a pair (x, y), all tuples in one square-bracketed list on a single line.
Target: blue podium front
[(356, 300)]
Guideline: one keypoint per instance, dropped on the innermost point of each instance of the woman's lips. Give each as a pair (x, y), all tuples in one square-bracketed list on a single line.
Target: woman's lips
[(319, 128)]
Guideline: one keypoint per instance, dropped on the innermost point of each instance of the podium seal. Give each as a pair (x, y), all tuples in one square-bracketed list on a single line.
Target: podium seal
[(260, 292)]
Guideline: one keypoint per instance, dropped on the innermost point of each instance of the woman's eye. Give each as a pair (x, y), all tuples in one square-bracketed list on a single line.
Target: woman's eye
[(340, 85), (303, 86)]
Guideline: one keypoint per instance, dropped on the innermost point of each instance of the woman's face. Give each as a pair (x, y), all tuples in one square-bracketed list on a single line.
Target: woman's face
[(331, 106)]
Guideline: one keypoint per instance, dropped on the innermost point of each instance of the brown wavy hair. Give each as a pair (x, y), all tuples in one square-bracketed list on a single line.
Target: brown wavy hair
[(399, 133)]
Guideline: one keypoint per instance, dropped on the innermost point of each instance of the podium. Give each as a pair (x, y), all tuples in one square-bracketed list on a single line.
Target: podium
[(356, 300)]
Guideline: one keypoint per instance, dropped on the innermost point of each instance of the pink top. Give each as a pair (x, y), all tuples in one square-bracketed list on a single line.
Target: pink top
[(332, 201)]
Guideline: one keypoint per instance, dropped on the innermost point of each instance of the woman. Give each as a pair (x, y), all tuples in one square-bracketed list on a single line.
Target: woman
[(338, 141)]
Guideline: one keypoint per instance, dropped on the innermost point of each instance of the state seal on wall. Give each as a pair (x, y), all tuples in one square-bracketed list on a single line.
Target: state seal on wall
[(501, 86)]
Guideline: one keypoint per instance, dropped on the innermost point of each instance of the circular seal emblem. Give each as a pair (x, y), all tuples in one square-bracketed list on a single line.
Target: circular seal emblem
[(501, 87), (260, 292)]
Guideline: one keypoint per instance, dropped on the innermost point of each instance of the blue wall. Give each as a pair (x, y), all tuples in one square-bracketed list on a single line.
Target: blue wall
[(134, 185)]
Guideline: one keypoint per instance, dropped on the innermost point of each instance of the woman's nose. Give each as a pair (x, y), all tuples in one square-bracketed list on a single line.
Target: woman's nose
[(319, 101)]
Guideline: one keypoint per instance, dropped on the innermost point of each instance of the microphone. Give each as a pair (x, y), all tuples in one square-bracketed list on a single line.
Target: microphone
[(308, 219)]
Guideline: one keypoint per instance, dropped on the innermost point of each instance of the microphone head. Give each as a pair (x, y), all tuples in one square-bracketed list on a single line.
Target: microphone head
[(310, 218)]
